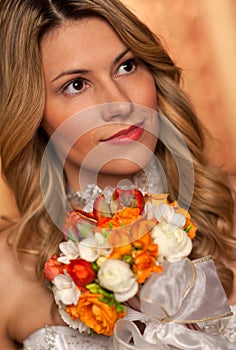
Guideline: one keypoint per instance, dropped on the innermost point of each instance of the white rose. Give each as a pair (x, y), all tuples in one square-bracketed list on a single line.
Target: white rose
[(65, 290), (116, 275), (173, 242)]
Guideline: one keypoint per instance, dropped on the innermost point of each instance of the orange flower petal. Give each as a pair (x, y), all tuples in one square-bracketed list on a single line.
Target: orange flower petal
[(96, 314)]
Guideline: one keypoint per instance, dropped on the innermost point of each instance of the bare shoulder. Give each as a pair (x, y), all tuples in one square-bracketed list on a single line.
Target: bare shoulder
[(8, 344), (9, 292)]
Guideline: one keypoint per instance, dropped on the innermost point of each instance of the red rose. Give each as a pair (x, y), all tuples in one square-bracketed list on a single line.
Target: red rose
[(53, 268), (81, 272)]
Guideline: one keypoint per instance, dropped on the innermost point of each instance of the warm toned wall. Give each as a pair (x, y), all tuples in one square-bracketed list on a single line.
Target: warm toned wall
[(200, 36)]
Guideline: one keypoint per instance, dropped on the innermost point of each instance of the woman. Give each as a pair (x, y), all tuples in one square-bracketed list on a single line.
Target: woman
[(59, 59)]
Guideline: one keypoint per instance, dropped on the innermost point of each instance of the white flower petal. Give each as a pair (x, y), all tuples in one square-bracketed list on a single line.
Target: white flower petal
[(167, 213), (68, 247), (121, 297), (64, 259), (173, 242), (65, 290), (70, 250), (105, 251), (91, 248), (159, 211), (62, 281), (88, 249), (75, 324), (116, 275), (99, 238)]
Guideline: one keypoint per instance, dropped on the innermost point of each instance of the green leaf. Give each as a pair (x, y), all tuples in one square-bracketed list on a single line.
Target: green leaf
[(108, 295), (119, 307), (93, 288), (127, 258), (95, 266)]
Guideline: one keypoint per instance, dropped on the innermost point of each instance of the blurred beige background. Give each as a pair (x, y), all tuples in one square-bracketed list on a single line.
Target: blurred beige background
[(200, 36)]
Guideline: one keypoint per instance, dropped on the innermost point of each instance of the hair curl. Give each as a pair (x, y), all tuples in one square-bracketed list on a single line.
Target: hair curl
[(22, 142)]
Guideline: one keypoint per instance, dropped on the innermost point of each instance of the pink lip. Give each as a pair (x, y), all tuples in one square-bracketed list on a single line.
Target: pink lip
[(126, 136)]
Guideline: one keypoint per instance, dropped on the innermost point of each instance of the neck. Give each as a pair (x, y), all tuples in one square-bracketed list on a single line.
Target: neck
[(80, 180)]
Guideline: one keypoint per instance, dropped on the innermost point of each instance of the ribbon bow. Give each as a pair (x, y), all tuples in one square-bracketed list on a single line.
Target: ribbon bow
[(186, 293)]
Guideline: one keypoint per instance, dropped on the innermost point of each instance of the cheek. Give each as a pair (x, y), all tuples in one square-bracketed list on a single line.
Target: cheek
[(53, 118), (147, 95), (151, 94), (56, 113), (83, 147), (49, 125), (84, 144)]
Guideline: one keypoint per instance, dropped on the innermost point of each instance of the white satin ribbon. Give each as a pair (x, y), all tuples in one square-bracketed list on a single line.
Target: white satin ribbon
[(186, 292)]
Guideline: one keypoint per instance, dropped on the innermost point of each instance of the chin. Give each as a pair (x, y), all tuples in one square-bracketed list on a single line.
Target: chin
[(124, 167)]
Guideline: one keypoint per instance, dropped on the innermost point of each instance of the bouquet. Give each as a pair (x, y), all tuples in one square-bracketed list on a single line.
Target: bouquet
[(109, 254)]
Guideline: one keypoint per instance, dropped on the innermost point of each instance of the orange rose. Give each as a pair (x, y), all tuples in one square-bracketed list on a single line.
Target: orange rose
[(118, 252), (81, 272), (96, 314), (124, 235), (73, 311), (53, 268), (122, 217), (126, 215), (145, 264), (144, 241)]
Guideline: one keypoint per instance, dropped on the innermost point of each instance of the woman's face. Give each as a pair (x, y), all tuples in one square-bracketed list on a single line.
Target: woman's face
[(86, 64)]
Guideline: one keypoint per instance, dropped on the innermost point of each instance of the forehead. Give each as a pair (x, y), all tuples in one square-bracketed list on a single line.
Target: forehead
[(79, 42)]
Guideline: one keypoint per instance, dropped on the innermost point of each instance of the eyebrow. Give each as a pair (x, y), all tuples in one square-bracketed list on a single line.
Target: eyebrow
[(86, 71)]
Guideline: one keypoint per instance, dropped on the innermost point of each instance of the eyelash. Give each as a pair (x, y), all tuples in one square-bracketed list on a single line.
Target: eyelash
[(80, 80), (65, 89), (132, 60)]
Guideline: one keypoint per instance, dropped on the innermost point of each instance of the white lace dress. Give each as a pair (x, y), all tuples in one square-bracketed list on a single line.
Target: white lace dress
[(65, 338)]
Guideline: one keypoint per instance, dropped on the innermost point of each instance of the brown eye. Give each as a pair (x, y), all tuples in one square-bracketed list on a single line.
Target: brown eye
[(127, 67), (76, 86)]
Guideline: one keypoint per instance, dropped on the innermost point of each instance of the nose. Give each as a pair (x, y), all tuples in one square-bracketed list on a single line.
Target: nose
[(116, 110), (116, 103)]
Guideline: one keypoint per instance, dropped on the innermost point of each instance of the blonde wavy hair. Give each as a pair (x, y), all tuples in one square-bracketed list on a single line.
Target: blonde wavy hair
[(22, 141)]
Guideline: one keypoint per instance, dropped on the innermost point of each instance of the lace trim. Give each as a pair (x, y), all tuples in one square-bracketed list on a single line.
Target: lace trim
[(65, 338), (147, 180)]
